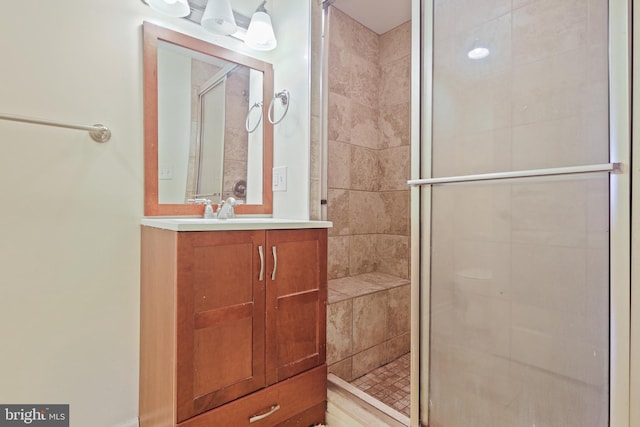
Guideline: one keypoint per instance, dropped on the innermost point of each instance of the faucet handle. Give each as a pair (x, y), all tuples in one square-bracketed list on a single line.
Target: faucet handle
[(208, 210), (231, 202)]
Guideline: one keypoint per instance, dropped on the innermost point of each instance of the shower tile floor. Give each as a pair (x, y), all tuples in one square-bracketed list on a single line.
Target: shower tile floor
[(389, 384)]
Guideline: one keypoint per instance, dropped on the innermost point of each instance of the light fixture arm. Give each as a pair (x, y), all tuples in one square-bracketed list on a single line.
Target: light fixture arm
[(261, 7)]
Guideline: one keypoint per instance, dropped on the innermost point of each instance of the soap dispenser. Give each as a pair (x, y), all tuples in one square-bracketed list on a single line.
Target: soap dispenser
[(208, 210)]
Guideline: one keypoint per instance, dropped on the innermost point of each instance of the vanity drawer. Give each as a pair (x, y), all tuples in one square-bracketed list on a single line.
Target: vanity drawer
[(294, 402)]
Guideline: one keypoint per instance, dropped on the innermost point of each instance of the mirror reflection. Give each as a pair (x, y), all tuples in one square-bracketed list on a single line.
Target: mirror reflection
[(206, 133), (205, 149)]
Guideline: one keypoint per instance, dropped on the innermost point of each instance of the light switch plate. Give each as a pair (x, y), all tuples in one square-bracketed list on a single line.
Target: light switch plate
[(165, 172), (279, 179)]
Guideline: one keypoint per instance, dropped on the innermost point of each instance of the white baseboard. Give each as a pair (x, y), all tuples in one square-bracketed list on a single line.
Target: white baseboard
[(131, 423)]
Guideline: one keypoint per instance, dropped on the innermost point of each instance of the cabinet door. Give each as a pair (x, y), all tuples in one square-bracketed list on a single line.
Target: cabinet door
[(220, 319), (296, 301)]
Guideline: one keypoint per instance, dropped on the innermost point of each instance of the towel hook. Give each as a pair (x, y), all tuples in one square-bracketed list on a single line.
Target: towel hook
[(284, 98)]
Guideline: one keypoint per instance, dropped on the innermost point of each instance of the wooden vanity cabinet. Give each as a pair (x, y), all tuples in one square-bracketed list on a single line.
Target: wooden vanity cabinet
[(296, 297), (233, 327)]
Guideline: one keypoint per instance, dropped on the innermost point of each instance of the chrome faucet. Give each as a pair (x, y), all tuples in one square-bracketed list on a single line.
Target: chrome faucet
[(225, 209)]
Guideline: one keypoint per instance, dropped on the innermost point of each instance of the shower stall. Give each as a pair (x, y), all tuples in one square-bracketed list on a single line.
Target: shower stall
[(511, 121), (368, 126), (520, 214)]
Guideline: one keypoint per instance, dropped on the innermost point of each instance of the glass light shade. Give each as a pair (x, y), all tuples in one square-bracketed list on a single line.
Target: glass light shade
[(218, 18), (175, 8), (260, 35)]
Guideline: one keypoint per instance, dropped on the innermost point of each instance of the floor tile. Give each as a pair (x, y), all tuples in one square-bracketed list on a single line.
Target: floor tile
[(389, 384)]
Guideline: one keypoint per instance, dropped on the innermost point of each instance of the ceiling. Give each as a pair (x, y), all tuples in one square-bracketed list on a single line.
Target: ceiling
[(378, 15)]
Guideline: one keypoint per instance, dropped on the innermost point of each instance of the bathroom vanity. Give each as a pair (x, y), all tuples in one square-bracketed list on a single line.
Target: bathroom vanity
[(233, 311), (233, 322)]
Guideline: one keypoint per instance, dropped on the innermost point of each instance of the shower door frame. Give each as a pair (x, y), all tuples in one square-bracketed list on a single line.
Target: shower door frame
[(624, 375)]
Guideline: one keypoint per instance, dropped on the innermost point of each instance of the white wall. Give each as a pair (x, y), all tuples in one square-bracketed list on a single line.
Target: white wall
[(292, 136), (69, 247), (69, 251)]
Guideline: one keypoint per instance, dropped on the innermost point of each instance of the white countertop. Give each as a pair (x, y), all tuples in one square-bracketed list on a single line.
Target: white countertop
[(238, 223)]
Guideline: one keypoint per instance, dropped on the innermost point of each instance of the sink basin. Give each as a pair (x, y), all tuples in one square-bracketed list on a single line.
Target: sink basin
[(238, 223)]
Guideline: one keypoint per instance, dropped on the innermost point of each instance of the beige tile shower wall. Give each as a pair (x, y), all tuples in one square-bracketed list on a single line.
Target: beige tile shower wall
[(367, 323), (368, 151)]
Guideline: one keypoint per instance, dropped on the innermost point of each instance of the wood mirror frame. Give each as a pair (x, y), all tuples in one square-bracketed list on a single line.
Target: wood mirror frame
[(151, 35)]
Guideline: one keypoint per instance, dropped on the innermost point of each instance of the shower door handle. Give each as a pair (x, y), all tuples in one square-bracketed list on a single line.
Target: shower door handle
[(615, 168)]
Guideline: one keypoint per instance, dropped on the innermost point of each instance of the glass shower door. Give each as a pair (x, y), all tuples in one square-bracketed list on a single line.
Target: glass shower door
[(520, 304), (519, 272)]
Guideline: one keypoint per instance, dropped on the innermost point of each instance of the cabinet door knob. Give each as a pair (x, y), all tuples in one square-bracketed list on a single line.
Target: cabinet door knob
[(261, 253), (255, 418), (275, 262)]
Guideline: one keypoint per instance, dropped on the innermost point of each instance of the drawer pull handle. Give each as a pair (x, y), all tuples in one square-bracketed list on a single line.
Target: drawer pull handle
[(275, 262), (255, 418), (261, 252)]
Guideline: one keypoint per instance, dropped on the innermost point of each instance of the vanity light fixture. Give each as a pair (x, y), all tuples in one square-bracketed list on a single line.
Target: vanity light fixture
[(175, 8), (218, 18), (260, 35)]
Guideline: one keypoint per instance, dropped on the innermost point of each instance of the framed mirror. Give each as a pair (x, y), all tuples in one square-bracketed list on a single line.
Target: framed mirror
[(205, 129)]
